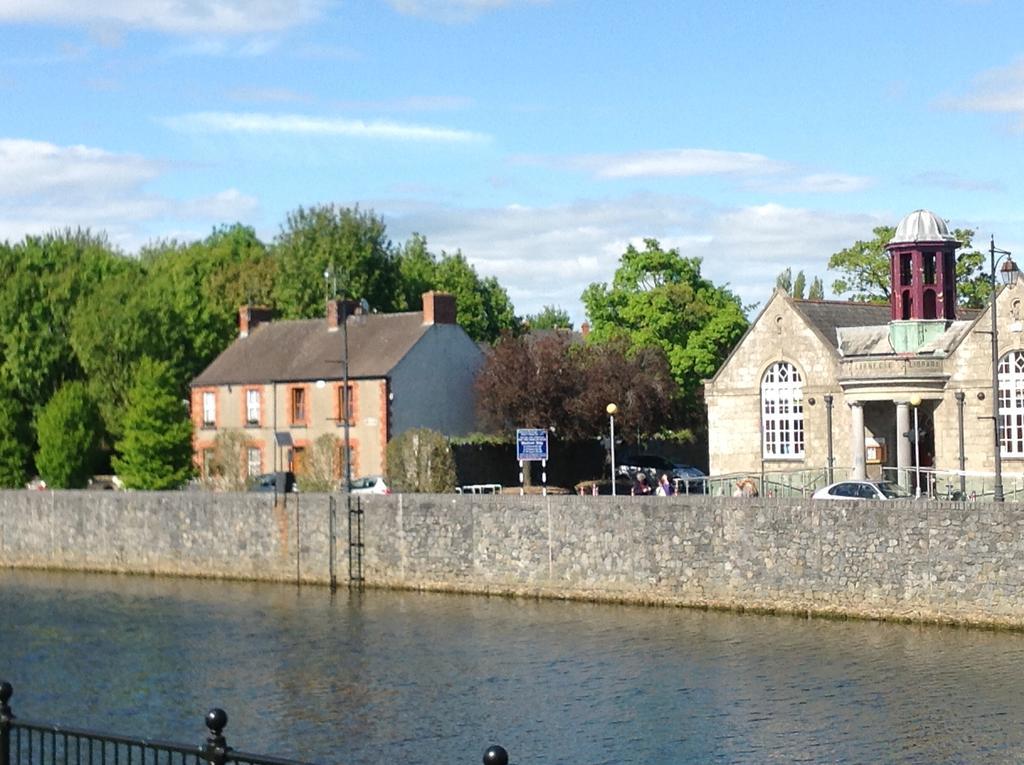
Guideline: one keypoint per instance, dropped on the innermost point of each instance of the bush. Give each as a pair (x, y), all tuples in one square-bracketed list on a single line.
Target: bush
[(156, 449), (420, 460), (68, 429)]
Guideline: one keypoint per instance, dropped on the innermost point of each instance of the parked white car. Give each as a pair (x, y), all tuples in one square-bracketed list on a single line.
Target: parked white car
[(371, 484), (866, 489)]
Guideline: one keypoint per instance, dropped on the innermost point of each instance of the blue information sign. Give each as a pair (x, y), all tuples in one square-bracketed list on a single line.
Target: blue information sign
[(531, 444)]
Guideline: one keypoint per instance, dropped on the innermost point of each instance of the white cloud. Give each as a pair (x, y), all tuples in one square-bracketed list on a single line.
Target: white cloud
[(28, 168), (1000, 89), (548, 255), (678, 163), (175, 16), (820, 183), (749, 169), (46, 187), (453, 11), (297, 124)]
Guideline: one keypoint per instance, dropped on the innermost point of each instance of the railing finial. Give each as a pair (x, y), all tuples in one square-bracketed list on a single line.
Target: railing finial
[(216, 749), (496, 755)]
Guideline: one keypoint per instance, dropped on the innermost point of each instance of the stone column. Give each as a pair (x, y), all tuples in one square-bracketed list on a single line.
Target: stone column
[(857, 439), (904, 460)]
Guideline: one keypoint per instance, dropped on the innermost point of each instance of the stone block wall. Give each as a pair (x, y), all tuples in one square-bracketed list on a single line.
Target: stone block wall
[(916, 560)]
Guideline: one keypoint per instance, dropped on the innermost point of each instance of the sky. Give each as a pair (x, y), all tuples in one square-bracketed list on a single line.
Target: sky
[(538, 137)]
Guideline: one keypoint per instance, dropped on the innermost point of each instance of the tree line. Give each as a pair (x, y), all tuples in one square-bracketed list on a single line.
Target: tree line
[(99, 345)]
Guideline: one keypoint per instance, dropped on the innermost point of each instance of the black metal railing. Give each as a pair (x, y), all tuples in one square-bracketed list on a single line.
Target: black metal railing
[(23, 742)]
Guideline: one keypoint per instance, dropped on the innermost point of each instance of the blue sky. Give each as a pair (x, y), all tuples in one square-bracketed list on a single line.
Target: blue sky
[(539, 137)]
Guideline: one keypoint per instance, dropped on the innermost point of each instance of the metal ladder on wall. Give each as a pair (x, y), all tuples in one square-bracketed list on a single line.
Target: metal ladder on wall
[(355, 541)]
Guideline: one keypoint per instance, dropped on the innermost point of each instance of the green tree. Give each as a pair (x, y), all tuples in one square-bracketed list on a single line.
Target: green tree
[(417, 268), (864, 266), (784, 281), (156, 449), (660, 299), (550, 317), (817, 290), (799, 285), (350, 244), (123, 320), (866, 269), (421, 460), (68, 430), (15, 443), (43, 281), (484, 308), (202, 285)]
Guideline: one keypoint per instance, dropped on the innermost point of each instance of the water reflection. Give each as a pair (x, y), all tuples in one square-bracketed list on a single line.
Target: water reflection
[(414, 677)]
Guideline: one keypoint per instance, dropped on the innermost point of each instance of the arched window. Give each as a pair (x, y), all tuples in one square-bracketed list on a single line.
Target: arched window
[(1011, 403), (782, 411)]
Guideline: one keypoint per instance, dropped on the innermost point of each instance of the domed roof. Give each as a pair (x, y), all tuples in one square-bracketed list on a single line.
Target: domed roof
[(921, 226)]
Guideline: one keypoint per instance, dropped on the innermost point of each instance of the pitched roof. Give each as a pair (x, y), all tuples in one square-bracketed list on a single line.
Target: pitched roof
[(826, 316), (306, 350)]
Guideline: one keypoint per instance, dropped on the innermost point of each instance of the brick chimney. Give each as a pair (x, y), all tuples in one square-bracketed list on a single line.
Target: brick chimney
[(438, 308), (251, 316), (339, 310)]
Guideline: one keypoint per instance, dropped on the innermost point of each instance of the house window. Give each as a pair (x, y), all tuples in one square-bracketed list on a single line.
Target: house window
[(782, 412), (298, 405), (254, 462), (345, 413), (1011, 404), (209, 409), (252, 407)]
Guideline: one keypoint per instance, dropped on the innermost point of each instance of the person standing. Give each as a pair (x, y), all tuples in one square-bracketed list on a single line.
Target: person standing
[(664, 487), (640, 486)]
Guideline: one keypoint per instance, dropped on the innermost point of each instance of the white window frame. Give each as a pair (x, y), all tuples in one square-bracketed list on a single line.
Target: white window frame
[(254, 461), (782, 412), (252, 406), (209, 409), (1011, 404)]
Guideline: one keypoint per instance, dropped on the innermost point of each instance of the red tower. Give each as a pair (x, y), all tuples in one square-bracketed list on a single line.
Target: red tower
[(922, 263)]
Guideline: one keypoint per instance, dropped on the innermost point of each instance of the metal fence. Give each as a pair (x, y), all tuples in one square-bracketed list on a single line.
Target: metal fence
[(23, 742), (952, 485)]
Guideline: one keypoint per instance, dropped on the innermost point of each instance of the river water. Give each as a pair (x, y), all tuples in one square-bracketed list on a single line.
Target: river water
[(361, 679)]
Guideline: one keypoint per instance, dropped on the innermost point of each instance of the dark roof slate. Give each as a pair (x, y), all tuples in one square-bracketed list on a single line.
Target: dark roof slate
[(828, 315), (306, 350)]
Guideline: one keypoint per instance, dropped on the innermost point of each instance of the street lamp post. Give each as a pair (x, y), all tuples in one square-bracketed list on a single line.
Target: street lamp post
[(345, 403), (1009, 273), (915, 402), (612, 409)]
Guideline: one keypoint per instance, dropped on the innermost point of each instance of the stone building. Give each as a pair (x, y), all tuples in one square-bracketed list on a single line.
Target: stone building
[(281, 384), (815, 384)]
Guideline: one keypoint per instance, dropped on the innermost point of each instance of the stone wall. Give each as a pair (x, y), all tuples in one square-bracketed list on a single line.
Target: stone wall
[(906, 560)]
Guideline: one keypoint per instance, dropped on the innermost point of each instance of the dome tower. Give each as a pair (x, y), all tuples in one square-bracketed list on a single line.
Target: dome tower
[(922, 263)]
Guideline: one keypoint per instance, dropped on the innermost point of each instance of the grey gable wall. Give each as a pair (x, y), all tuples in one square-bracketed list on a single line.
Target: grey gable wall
[(433, 383)]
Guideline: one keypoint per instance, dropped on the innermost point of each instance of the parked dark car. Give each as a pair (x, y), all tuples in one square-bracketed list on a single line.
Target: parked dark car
[(280, 482), (686, 477)]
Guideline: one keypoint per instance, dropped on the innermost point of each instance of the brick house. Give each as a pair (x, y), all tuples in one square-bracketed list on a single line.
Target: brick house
[(281, 383), (814, 383)]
